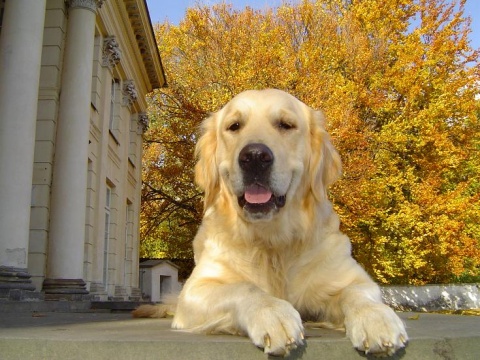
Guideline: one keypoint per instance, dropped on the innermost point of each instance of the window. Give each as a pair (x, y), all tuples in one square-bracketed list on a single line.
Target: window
[(113, 102), (106, 237), (132, 149), (128, 244)]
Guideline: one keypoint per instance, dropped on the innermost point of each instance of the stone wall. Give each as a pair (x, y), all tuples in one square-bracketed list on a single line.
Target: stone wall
[(433, 297)]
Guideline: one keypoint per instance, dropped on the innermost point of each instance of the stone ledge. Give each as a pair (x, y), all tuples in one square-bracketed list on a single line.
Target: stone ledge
[(118, 336)]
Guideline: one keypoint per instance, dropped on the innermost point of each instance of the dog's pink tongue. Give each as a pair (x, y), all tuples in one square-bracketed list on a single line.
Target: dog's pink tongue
[(256, 194)]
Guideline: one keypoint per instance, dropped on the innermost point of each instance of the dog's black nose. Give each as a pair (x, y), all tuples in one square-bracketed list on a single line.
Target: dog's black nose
[(254, 157)]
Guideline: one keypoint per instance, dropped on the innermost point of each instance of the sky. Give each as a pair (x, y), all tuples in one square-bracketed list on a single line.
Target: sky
[(174, 11)]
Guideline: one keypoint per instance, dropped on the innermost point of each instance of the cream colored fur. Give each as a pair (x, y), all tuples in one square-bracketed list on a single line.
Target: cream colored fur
[(260, 276)]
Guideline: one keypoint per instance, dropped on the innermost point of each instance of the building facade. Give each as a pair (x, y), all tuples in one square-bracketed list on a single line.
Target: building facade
[(73, 80)]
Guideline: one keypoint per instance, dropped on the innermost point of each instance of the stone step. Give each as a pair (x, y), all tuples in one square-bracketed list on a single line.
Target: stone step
[(43, 306), (67, 306), (117, 305)]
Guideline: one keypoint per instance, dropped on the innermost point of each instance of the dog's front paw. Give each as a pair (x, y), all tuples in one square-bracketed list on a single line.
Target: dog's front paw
[(376, 329), (275, 326)]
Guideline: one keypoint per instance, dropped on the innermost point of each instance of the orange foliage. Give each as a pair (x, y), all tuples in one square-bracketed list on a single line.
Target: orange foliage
[(397, 80)]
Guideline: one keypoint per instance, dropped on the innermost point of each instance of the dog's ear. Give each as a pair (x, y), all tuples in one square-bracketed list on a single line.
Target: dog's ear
[(325, 164), (206, 171)]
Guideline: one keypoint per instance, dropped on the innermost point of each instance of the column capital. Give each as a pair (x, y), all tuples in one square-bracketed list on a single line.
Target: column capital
[(92, 5), (129, 91), (111, 52), (143, 122)]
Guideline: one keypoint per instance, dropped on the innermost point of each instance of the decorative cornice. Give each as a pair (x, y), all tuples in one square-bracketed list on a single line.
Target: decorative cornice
[(145, 39), (143, 122), (111, 53), (92, 5), (130, 94)]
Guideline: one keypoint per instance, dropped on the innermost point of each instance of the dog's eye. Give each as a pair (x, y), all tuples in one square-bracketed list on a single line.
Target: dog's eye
[(284, 125), (234, 126)]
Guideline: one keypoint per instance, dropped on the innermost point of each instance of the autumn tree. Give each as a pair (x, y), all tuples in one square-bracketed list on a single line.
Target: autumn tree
[(397, 80), (422, 222)]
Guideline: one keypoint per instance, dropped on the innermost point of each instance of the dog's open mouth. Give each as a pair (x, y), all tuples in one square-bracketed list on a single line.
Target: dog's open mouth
[(259, 199)]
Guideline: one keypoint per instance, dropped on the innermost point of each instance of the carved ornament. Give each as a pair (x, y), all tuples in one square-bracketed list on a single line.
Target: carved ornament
[(143, 122), (111, 53), (92, 5), (130, 94)]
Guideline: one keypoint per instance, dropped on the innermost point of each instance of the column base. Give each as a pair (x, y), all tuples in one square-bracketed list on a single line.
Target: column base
[(136, 295), (98, 292), (15, 284), (65, 289), (120, 294)]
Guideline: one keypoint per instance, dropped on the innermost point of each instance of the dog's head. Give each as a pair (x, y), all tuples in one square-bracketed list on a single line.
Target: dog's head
[(264, 151)]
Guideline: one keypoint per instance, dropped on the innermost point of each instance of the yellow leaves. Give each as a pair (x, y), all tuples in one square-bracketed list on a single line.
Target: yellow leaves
[(391, 76)]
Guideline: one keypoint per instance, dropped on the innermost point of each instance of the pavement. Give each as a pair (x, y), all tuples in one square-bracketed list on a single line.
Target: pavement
[(107, 335)]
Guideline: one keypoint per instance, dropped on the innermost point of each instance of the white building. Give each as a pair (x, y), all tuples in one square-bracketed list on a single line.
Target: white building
[(73, 80), (158, 278)]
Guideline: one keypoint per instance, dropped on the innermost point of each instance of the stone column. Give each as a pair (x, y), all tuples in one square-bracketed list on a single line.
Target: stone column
[(20, 60), (69, 184)]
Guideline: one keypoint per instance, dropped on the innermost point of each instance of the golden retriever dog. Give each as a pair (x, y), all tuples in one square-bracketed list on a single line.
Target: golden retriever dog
[(269, 252)]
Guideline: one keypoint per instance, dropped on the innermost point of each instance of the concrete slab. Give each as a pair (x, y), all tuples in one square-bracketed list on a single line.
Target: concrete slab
[(55, 335)]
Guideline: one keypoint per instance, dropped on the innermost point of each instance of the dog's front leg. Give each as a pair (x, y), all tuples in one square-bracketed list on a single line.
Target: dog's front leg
[(208, 305), (372, 326)]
